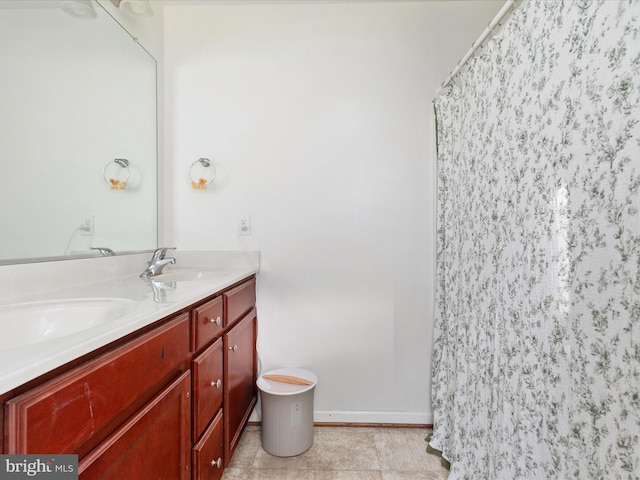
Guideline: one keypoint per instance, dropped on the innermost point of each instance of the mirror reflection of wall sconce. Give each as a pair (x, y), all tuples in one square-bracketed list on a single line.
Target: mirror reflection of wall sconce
[(117, 173), (202, 173), (78, 8), (135, 8)]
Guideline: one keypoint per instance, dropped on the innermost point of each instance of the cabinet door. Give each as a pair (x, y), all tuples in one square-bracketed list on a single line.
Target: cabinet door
[(154, 444), (208, 452), (207, 387), (240, 392), (76, 411)]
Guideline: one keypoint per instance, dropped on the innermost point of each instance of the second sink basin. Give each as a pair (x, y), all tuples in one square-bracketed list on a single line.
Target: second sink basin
[(34, 322)]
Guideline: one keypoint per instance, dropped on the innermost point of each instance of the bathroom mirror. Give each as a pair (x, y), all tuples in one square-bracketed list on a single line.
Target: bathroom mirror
[(76, 93)]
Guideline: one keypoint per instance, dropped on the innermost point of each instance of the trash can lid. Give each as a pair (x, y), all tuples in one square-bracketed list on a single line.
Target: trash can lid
[(281, 388)]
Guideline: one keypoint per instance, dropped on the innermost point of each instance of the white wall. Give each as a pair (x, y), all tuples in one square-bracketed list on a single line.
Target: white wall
[(318, 118)]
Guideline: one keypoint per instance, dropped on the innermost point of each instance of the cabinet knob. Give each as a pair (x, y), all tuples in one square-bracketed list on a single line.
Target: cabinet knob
[(216, 383), (234, 348), (216, 320), (217, 463)]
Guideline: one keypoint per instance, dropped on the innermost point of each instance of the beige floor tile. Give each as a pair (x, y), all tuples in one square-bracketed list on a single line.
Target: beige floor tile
[(247, 449), (349, 475), (233, 473), (347, 449), (267, 474), (404, 450), (391, 475), (346, 430), (278, 474), (304, 461), (341, 453)]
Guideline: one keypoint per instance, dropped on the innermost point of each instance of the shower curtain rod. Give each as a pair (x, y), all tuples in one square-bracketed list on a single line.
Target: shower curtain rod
[(493, 27)]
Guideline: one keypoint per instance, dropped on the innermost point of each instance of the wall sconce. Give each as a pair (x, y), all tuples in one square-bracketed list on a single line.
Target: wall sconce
[(78, 8), (135, 8), (117, 173), (202, 173)]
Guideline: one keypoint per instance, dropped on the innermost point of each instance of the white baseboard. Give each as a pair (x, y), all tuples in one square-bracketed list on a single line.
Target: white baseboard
[(410, 418), (355, 417)]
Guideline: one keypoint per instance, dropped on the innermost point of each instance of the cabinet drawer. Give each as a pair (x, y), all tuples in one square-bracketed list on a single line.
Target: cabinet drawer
[(207, 456), (239, 300), (207, 323), (207, 386), (153, 444), (75, 411)]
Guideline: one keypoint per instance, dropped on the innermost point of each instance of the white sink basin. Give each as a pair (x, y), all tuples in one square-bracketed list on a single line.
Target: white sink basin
[(34, 322)]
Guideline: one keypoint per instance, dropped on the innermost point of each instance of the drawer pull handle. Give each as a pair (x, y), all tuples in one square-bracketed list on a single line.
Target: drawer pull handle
[(216, 320), (234, 348), (216, 383), (216, 463)]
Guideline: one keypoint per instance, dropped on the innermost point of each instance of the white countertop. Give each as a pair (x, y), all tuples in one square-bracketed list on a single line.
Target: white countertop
[(107, 277)]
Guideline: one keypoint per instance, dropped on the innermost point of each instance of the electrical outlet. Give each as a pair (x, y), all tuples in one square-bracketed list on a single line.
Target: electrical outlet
[(86, 225), (244, 225)]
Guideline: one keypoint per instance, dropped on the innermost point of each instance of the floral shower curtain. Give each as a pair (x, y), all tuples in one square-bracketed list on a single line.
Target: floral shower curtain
[(537, 340)]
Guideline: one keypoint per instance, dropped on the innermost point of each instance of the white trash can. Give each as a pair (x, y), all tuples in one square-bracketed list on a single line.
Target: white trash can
[(287, 412)]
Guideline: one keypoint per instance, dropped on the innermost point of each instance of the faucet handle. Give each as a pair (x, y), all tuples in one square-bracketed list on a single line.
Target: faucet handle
[(160, 253)]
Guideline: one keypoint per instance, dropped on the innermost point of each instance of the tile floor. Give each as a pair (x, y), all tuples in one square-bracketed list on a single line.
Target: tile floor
[(342, 453)]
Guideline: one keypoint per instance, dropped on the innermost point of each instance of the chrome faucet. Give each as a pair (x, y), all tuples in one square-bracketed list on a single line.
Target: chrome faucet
[(158, 262), (160, 289)]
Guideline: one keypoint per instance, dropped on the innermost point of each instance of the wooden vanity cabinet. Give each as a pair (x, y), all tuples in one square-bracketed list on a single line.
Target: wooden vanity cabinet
[(220, 414), (153, 444), (169, 403), (238, 301), (207, 322), (240, 391), (207, 386), (1, 431), (208, 453), (75, 411)]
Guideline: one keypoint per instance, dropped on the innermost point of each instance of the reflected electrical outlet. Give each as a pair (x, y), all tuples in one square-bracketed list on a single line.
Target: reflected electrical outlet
[(86, 225)]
